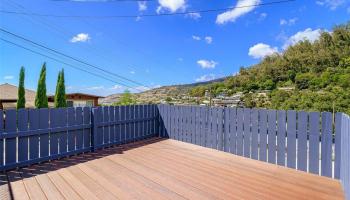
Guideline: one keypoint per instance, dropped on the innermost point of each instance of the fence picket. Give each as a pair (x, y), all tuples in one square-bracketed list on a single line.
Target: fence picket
[(54, 123), (302, 141), (255, 134), (226, 134), (338, 148), (34, 139), (263, 135), (233, 130), (247, 132), (326, 144), (71, 134), (63, 134), (10, 143), (291, 138), (314, 138), (117, 118), (202, 126), (79, 138), (281, 137), (240, 134), (271, 136), (87, 132), (1, 140), (111, 127), (22, 117)]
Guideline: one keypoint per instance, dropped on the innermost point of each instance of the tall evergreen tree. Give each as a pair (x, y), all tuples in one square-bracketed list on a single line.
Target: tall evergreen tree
[(41, 98), (21, 102), (60, 95)]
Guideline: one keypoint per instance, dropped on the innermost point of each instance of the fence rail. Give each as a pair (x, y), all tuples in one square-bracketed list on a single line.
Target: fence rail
[(307, 141), (29, 136)]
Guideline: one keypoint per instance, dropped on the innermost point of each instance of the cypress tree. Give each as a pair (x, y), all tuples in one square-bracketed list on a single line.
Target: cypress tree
[(60, 94), (40, 97), (21, 101)]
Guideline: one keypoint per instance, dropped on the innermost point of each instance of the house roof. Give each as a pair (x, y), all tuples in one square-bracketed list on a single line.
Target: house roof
[(9, 92)]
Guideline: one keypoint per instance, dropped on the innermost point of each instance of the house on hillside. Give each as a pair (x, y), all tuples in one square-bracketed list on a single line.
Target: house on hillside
[(9, 96)]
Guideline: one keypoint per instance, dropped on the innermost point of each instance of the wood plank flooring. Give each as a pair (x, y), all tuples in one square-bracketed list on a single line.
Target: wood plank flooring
[(164, 169)]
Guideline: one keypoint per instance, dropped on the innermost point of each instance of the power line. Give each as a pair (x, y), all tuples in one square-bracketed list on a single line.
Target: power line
[(73, 58), (65, 63), (144, 15)]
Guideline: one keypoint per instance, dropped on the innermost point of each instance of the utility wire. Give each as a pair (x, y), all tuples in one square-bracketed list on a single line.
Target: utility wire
[(70, 65), (73, 58), (144, 15)]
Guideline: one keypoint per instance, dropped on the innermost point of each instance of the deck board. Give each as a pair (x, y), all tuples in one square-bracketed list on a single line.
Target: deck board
[(166, 169)]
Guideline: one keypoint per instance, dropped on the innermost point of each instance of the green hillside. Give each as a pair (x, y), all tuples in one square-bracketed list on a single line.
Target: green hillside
[(306, 76)]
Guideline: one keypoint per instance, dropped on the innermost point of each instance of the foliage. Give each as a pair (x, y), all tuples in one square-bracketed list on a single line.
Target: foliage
[(41, 100), (125, 99), (60, 94), (21, 102), (319, 72)]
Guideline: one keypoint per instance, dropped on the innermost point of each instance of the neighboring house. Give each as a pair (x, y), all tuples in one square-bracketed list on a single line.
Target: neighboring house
[(79, 100), (8, 96)]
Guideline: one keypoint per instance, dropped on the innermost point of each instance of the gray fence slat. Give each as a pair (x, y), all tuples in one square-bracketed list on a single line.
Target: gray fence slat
[(202, 126), (215, 128), (127, 125), (33, 139), (180, 112), (302, 141), (226, 135), (281, 137), (105, 111), (255, 134), (117, 127), (233, 130), (221, 129), (314, 135), (71, 134), (247, 132), (187, 123), (132, 124), (10, 143), (87, 132), (54, 122), (22, 115), (197, 125), (338, 148), (44, 138), (291, 138), (79, 133), (193, 127), (263, 135), (1, 140), (326, 144), (271, 136), (112, 127), (240, 113), (137, 124), (122, 126), (148, 122), (176, 123), (63, 134)]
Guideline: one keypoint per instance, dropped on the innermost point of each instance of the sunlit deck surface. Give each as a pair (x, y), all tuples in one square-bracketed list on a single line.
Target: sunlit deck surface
[(164, 169)]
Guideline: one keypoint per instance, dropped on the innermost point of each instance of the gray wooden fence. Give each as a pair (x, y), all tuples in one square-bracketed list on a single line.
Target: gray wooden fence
[(309, 141), (29, 136)]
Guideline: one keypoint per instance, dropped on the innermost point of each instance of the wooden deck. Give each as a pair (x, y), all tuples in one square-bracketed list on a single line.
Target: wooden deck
[(164, 169)]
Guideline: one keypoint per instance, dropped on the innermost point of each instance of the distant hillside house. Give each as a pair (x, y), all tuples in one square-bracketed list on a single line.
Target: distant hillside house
[(79, 100), (9, 96)]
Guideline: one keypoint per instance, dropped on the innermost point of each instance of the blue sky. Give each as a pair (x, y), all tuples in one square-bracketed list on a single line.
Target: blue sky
[(155, 51)]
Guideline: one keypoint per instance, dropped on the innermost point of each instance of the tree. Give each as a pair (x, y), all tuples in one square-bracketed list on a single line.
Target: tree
[(60, 94), (125, 99), (40, 97), (21, 102)]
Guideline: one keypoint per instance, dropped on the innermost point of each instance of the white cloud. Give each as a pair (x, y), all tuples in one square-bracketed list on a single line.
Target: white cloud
[(207, 77), (116, 87), (81, 37), (195, 37), (142, 5), (171, 5), (132, 72), (8, 77), (208, 39), (194, 15), (242, 7), (207, 64), (138, 18), (332, 4), (307, 34), (288, 22), (261, 50), (96, 87)]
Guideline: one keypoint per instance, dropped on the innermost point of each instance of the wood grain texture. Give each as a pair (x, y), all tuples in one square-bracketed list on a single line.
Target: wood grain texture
[(167, 169)]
